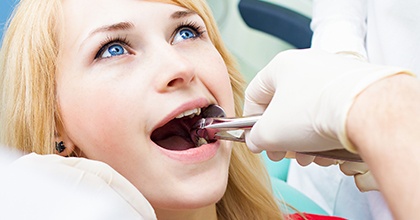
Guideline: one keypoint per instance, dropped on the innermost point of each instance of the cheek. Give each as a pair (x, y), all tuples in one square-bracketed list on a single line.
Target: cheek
[(81, 112), (218, 82), (90, 120)]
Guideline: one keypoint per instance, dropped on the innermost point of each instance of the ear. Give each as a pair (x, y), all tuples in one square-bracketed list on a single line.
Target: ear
[(64, 146)]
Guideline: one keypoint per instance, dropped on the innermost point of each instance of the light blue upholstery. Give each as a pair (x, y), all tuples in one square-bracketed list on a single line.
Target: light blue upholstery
[(294, 198), (277, 169), (278, 173)]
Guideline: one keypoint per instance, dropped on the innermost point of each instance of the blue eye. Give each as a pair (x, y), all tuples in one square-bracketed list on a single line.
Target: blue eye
[(115, 49), (184, 34)]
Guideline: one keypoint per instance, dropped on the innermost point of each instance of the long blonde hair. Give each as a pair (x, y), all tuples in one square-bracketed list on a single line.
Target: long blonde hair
[(27, 77), (29, 113)]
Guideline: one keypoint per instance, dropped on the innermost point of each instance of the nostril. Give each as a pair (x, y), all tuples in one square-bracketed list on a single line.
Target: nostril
[(175, 82)]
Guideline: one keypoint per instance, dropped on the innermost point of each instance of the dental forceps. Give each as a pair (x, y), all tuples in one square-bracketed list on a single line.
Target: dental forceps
[(233, 129), (230, 129)]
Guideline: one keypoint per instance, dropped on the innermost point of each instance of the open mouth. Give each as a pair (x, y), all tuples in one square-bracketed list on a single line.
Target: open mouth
[(176, 134)]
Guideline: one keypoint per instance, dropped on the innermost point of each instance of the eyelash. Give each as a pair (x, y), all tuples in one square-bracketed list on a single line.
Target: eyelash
[(112, 40), (198, 29)]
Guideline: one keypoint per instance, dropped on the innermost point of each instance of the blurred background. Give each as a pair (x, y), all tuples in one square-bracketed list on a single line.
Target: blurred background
[(252, 48), (6, 7)]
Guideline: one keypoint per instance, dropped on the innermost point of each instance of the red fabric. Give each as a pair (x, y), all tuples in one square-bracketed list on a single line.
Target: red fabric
[(297, 216)]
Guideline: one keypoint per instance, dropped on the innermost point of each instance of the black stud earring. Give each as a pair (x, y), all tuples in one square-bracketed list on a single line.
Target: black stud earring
[(60, 147)]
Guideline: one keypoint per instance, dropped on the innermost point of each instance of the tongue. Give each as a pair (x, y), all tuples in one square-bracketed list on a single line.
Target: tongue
[(176, 143)]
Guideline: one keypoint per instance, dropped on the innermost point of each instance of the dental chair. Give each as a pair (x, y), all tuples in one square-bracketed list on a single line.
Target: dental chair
[(294, 29), (281, 22)]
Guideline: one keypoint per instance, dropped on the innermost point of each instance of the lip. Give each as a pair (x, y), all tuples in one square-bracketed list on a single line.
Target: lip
[(194, 155)]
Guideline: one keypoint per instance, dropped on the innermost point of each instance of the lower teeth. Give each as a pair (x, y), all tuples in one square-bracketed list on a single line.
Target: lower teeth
[(201, 141)]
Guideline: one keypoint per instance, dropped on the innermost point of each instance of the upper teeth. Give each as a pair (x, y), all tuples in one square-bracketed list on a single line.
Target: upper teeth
[(191, 113)]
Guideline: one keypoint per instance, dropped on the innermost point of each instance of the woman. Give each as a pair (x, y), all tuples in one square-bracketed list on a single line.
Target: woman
[(103, 84), (121, 82)]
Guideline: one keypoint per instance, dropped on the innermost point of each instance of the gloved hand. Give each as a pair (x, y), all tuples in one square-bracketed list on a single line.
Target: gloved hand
[(54, 187), (305, 96)]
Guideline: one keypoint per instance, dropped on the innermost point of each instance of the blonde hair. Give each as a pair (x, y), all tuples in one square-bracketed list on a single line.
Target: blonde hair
[(29, 113), (27, 80)]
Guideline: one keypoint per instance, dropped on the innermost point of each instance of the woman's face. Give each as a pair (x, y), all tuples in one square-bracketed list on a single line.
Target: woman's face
[(129, 67)]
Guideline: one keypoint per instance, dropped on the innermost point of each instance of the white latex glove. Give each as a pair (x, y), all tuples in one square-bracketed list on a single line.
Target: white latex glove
[(55, 187), (305, 96)]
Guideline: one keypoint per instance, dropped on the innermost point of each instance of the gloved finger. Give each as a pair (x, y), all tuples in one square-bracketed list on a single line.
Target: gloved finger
[(276, 155), (304, 159), (251, 146), (353, 55), (322, 161), (365, 182), (291, 155), (362, 176), (258, 94), (353, 168)]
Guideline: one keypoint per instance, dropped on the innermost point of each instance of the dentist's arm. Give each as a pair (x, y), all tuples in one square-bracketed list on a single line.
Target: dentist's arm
[(384, 125), (340, 26)]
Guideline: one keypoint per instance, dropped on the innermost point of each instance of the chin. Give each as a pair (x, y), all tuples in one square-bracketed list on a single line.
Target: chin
[(201, 197), (195, 188)]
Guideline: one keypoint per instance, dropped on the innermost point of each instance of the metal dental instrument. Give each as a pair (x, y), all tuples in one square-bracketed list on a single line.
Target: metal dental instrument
[(214, 126)]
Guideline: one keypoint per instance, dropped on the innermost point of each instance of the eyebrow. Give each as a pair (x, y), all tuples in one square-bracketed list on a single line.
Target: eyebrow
[(128, 25), (120, 26), (113, 27), (182, 14)]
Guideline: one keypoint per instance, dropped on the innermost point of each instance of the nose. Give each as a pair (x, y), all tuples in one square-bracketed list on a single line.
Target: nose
[(175, 70)]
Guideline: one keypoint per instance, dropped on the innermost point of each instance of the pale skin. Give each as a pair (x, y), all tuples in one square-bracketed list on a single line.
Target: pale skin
[(127, 68), (384, 123)]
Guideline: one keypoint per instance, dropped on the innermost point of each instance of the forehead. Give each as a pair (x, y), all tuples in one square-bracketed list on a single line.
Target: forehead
[(85, 12), (81, 17)]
